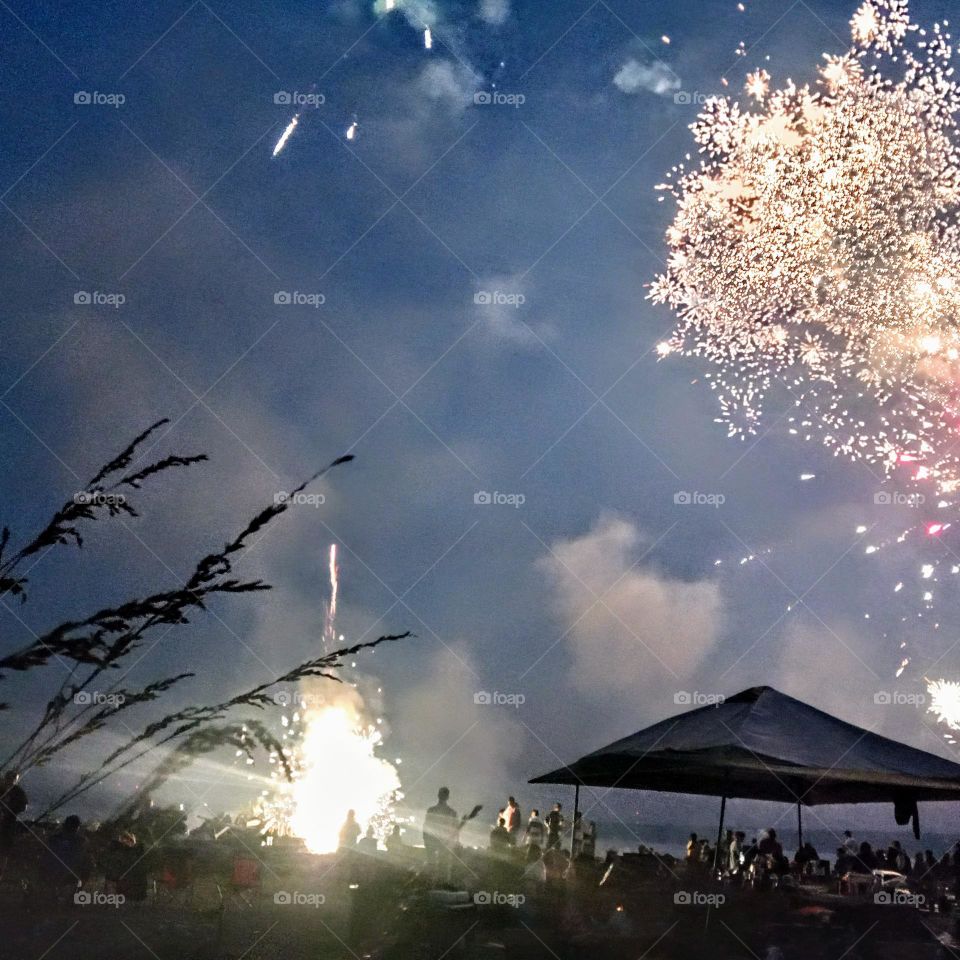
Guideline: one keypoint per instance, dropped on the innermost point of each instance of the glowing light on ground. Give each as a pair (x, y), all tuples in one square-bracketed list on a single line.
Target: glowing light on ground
[(340, 771)]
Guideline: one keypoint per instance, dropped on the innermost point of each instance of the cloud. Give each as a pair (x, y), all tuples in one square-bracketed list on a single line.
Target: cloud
[(494, 12), (468, 745), (630, 629), (656, 78), (502, 303), (449, 84)]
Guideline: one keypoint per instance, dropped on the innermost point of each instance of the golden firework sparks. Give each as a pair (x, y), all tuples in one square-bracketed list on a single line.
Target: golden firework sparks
[(817, 246)]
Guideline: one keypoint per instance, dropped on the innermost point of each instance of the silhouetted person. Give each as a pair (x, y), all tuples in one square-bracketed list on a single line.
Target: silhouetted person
[(368, 844), (350, 831), (13, 801), (440, 833), (554, 826), (536, 834), (512, 818), (68, 862), (394, 841)]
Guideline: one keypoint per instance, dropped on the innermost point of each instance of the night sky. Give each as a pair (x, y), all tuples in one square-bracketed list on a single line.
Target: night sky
[(483, 330)]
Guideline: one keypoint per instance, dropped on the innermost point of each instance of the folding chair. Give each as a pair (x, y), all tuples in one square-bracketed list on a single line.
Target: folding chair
[(245, 884)]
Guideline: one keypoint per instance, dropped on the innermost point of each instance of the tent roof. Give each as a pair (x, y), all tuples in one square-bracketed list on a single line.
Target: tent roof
[(763, 745)]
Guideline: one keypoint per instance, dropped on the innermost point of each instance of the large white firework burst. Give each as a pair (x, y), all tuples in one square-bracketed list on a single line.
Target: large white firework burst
[(817, 246)]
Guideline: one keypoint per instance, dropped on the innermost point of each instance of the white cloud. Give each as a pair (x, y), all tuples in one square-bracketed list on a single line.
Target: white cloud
[(450, 84), (655, 77), (494, 12), (467, 745), (631, 629), (503, 303)]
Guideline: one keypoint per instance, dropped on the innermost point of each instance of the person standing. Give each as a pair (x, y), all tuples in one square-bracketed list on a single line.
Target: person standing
[(576, 835), (555, 824), (512, 818), (13, 801), (440, 833), (349, 831), (536, 833)]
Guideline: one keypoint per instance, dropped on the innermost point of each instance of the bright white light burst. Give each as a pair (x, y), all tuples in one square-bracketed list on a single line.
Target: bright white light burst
[(816, 247)]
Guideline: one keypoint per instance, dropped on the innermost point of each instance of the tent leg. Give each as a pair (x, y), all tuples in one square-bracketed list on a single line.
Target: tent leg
[(716, 852), (576, 810), (799, 826)]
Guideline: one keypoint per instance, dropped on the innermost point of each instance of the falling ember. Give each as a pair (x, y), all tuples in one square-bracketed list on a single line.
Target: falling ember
[(340, 771), (840, 202), (285, 136), (945, 701)]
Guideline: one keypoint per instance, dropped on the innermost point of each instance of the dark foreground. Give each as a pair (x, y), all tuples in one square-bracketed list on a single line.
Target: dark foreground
[(311, 908)]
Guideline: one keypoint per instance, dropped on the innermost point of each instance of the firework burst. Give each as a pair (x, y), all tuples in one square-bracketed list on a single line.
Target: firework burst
[(816, 248)]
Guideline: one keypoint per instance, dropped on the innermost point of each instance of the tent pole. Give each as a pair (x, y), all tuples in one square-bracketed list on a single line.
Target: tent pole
[(799, 826), (576, 810), (723, 810)]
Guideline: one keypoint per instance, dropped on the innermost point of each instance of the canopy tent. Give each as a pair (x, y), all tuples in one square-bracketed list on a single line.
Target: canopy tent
[(763, 745)]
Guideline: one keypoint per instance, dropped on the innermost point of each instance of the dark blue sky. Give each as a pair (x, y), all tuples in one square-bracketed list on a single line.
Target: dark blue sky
[(598, 598)]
